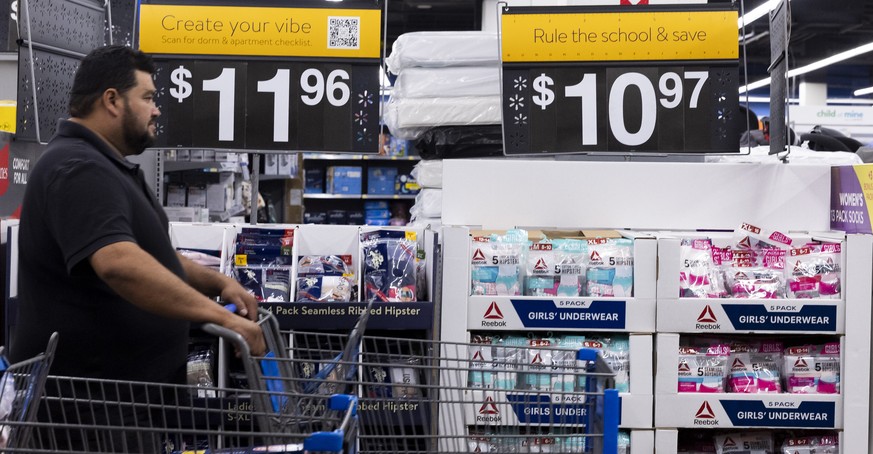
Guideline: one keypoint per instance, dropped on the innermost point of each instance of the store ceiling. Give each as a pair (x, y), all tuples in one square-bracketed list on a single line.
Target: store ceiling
[(820, 28)]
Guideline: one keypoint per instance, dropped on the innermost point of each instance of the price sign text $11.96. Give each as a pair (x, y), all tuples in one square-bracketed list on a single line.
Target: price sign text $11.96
[(314, 84), (670, 87)]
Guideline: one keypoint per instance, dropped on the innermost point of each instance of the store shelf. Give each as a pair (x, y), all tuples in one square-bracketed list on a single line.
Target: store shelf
[(342, 316), (357, 157), (206, 166), (566, 314), (360, 196), (667, 441), (263, 177)]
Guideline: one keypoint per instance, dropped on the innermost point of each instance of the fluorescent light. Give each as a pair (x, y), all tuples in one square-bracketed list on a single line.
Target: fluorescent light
[(813, 66), (849, 101), (757, 13), (863, 91)]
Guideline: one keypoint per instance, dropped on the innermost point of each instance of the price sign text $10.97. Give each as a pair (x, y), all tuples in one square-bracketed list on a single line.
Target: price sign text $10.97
[(670, 88), (314, 84)]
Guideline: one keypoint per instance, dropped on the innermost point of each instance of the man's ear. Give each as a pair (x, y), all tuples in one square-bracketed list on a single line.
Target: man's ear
[(111, 101)]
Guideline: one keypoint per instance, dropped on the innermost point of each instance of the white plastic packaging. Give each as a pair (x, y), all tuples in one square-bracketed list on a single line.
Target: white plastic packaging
[(428, 204), (409, 118), (429, 174), (813, 369), (745, 443), (703, 370), (447, 82), (440, 49)]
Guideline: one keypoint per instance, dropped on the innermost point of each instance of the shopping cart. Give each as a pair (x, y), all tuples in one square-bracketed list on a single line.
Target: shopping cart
[(79, 415), (420, 395), (21, 386)]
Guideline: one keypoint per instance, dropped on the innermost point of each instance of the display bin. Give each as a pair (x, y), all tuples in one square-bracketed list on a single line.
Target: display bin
[(667, 441), (636, 405), (719, 410), (616, 314), (735, 315), (217, 238)]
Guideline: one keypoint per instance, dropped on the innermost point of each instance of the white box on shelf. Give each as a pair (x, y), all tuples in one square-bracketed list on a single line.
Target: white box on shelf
[(271, 164), (198, 155), (197, 196), (666, 441), (634, 314), (642, 441), (715, 410), (187, 214), (287, 165), (734, 315), (176, 195)]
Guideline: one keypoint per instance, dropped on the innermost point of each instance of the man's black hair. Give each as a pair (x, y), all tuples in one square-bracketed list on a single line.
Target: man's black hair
[(104, 68)]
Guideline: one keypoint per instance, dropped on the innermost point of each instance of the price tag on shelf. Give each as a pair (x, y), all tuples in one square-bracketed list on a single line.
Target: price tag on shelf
[(261, 77), (642, 79)]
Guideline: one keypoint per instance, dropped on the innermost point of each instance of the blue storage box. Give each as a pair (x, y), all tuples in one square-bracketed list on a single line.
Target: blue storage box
[(337, 217), (314, 181), (315, 217), (344, 180), (356, 217), (381, 180), (378, 214), (375, 205), (379, 222)]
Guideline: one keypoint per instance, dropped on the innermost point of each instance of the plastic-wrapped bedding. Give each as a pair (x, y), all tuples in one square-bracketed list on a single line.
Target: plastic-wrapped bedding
[(409, 118), (428, 204), (461, 142), (439, 49), (428, 174), (447, 82)]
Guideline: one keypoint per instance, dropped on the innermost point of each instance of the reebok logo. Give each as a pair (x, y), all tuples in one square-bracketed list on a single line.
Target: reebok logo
[(745, 243), (707, 316), (478, 356), (729, 443), (738, 364), (634, 2), (705, 411), (493, 317), (538, 359), (493, 312), (478, 256), (541, 265), (706, 320), (488, 408), (801, 364), (684, 367), (595, 258)]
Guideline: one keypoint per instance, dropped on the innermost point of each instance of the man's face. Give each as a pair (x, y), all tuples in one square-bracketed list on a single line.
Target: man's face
[(138, 126)]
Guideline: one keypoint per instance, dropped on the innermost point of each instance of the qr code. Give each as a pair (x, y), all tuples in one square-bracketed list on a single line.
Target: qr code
[(343, 32)]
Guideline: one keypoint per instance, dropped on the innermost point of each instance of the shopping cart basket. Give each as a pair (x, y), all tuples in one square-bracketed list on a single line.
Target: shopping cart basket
[(21, 386), (80, 415), (421, 395)]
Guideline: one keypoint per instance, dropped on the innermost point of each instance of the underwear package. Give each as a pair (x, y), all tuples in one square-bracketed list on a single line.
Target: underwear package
[(266, 276), (744, 443), (755, 367), (813, 271), (610, 267), (757, 275), (813, 369), (390, 266), (556, 268), (699, 272), (703, 370), (825, 444), (498, 264), (325, 278)]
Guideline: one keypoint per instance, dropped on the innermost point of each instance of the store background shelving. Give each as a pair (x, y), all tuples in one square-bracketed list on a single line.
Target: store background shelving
[(687, 197)]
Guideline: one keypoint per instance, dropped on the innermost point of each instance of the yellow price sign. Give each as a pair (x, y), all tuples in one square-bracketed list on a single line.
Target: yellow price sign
[(260, 31), (241, 260), (411, 236), (643, 35)]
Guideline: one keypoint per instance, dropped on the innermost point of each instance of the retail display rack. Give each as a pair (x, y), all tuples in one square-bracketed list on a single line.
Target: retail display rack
[(657, 220)]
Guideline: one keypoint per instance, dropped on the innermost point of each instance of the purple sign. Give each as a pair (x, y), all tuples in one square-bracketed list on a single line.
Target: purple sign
[(849, 211)]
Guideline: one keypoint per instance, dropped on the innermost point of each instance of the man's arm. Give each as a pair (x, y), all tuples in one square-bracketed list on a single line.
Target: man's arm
[(140, 279), (212, 283)]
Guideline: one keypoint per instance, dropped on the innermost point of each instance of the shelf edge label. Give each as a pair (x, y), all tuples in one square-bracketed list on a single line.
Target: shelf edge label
[(619, 36), (757, 317), (260, 31), (571, 314), (756, 414)]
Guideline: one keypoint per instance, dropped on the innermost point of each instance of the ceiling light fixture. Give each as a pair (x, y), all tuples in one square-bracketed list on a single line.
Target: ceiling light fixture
[(813, 66), (863, 91), (757, 13)]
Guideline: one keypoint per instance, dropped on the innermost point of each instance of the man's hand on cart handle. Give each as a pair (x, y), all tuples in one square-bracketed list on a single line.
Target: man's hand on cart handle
[(250, 331), (245, 301)]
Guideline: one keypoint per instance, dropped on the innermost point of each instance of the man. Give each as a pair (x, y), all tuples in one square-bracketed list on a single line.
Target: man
[(96, 263)]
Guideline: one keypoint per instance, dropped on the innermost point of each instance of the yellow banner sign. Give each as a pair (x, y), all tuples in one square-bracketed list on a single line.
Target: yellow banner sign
[(620, 36), (260, 31)]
